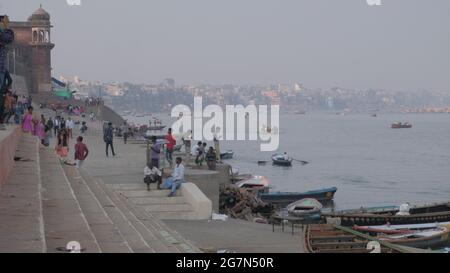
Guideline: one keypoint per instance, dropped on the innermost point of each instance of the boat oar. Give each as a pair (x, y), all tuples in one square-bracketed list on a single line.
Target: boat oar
[(301, 161)]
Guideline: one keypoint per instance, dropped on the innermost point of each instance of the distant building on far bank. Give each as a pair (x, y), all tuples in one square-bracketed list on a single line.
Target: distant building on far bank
[(30, 54)]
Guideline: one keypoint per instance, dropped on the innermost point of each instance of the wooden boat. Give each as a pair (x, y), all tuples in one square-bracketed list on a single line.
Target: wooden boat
[(325, 238), (260, 183), (282, 199), (304, 207), (227, 155), (428, 213), (400, 125), (429, 238), (399, 229), (281, 160)]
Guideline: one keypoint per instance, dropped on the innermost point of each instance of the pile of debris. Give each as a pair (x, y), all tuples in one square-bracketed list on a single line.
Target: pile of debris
[(241, 203)]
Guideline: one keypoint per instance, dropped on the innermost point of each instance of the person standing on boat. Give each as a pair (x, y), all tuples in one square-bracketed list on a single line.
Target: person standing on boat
[(171, 142), (285, 156)]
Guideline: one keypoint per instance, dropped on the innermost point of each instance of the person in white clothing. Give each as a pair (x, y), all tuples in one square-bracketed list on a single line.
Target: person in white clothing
[(176, 179), (152, 175), (56, 125), (70, 125)]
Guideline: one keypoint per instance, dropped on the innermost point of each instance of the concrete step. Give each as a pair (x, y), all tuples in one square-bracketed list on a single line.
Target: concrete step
[(109, 235), (171, 238), (183, 207), (148, 235), (21, 221), (145, 193), (173, 215), (157, 200), (64, 220)]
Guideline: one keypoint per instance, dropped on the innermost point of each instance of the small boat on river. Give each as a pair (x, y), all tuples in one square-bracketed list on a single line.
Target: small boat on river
[(400, 125), (281, 160)]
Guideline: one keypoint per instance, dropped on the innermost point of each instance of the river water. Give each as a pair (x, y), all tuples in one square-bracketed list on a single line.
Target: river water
[(370, 163)]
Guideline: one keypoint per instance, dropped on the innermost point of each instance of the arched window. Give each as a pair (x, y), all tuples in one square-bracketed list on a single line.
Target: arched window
[(35, 36), (41, 36), (48, 36)]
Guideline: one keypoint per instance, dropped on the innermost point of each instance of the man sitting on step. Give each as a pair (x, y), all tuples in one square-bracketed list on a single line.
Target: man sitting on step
[(176, 179), (152, 176)]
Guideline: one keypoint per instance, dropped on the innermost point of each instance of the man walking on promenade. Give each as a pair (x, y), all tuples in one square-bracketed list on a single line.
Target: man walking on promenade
[(108, 135), (6, 37), (56, 125), (81, 152), (70, 125), (169, 146), (176, 179), (125, 132)]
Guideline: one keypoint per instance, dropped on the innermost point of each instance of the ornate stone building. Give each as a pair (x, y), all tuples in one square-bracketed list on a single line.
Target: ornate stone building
[(30, 54)]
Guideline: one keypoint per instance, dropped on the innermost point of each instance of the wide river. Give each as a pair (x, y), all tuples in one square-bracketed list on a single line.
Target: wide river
[(370, 163)]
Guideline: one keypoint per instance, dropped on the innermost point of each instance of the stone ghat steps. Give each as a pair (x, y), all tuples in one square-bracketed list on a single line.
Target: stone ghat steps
[(21, 226), (46, 204), (156, 202), (170, 237), (64, 218)]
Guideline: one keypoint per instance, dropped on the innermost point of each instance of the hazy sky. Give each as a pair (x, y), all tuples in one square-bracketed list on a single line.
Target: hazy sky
[(403, 44)]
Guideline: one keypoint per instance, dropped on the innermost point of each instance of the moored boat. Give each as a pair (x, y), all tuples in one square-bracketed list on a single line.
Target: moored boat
[(227, 155), (260, 183), (282, 199), (429, 238), (304, 207), (324, 238), (281, 160), (428, 213)]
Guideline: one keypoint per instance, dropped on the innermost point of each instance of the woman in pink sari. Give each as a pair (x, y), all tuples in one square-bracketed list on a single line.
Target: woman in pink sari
[(40, 129), (27, 122)]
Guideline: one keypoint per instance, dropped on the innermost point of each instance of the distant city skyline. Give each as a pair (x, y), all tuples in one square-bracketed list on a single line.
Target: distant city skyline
[(403, 44)]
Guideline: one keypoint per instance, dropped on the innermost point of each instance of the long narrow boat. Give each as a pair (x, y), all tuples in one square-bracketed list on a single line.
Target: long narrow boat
[(324, 238), (428, 213), (399, 229), (282, 199), (429, 238)]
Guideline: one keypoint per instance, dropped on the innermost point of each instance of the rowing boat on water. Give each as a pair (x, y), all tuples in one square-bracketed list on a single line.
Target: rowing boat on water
[(281, 160)]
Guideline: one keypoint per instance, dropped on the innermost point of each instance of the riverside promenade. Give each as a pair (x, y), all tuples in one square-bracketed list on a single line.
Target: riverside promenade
[(106, 208)]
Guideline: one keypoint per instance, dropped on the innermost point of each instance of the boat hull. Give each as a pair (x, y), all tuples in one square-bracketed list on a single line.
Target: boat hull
[(281, 199), (435, 213)]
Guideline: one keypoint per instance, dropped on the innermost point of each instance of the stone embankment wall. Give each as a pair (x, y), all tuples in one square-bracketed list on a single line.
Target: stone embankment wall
[(8, 147)]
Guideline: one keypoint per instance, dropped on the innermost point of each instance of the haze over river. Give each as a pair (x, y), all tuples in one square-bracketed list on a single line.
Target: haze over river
[(370, 163)]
